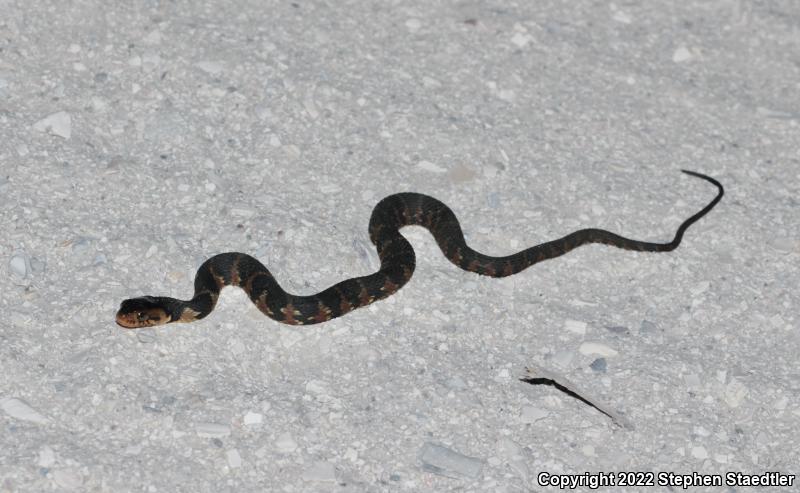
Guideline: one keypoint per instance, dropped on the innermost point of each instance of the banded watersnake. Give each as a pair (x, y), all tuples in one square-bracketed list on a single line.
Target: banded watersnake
[(397, 265)]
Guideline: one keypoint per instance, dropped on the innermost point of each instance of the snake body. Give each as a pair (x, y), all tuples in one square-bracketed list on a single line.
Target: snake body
[(397, 265)]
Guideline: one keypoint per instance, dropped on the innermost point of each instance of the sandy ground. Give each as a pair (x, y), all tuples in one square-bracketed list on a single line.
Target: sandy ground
[(140, 139)]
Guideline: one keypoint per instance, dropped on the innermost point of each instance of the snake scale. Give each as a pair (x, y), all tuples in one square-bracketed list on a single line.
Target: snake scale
[(397, 265)]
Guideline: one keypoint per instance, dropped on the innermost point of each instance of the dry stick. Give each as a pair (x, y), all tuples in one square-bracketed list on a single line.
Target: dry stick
[(534, 373)]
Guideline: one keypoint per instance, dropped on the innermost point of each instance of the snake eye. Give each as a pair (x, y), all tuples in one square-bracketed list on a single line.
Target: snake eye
[(141, 316)]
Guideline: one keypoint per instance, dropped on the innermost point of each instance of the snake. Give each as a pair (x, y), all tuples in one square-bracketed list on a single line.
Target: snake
[(397, 263)]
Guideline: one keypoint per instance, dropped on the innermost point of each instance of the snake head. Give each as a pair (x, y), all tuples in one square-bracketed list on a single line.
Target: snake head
[(145, 311)]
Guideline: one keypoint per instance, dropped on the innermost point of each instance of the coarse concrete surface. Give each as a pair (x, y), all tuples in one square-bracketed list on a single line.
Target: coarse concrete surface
[(139, 138)]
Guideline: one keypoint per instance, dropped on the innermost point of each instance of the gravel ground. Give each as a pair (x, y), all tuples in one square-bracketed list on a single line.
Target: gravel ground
[(140, 138)]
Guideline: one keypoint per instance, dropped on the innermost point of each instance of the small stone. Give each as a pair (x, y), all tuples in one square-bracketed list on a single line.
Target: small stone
[(153, 38), (590, 348), (210, 67), (682, 54), (575, 326), (413, 25), (692, 381), (531, 414), (461, 174), (146, 336), (68, 478), (320, 471), (699, 452), (429, 166), (18, 409), (252, 418), (648, 327), (59, 124), (521, 39), (18, 265), (285, 444), (212, 430), (618, 329), (46, 457), (784, 245), (563, 358), (622, 17), (506, 95), (242, 212), (445, 462), (599, 365), (317, 387), (234, 459), (735, 392)]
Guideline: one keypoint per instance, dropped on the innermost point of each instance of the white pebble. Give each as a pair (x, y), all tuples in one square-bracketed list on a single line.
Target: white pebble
[(506, 95), (699, 452), (20, 410), (18, 265), (532, 414), (67, 478), (682, 54), (320, 471), (285, 444), (575, 326), (445, 462), (591, 348), (210, 67), (59, 124), (413, 25), (329, 188), (735, 392), (563, 358), (252, 418), (153, 38), (521, 39), (429, 166), (317, 387), (46, 457), (234, 459), (212, 430), (622, 17)]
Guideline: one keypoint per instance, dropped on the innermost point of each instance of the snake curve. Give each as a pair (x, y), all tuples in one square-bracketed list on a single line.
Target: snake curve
[(397, 265)]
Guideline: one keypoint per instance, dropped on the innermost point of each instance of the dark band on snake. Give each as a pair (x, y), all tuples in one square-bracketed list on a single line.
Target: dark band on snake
[(397, 265)]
